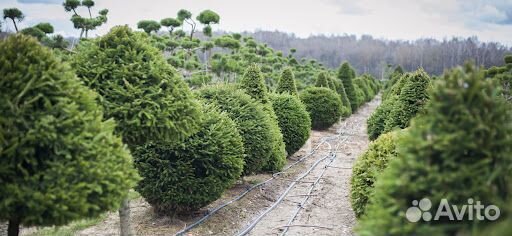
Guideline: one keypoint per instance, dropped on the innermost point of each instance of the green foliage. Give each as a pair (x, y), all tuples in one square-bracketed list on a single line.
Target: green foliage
[(184, 15), (294, 121), (227, 41), (365, 88), (14, 14), (411, 100), (47, 28), (345, 75), (322, 80), (60, 160), (208, 17), (347, 110), (34, 32), (360, 96), (149, 26), (253, 84), (459, 150), (287, 83), (323, 106), (137, 87), (368, 167), (183, 177), (377, 120), (253, 123), (508, 59)]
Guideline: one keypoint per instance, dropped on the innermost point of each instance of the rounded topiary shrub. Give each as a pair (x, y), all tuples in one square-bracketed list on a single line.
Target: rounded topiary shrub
[(252, 121), (367, 168), (323, 106), (59, 159), (137, 87), (459, 150), (293, 119), (193, 173)]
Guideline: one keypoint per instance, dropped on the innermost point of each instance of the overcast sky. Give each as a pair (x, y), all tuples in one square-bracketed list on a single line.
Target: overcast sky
[(489, 20)]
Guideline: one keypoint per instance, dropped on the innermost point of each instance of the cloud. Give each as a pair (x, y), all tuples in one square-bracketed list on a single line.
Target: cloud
[(40, 1), (482, 12), (349, 7)]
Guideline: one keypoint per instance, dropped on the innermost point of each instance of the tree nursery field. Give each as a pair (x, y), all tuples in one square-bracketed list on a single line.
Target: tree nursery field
[(172, 126)]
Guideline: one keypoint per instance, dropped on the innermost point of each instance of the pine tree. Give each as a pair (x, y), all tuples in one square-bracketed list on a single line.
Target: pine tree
[(345, 75), (459, 150)]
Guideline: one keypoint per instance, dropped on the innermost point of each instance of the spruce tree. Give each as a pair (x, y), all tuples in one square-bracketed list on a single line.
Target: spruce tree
[(322, 80), (459, 150), (287, 82), (254, 84), (139, 89), (343, 95), (345, 75), (60, 160)]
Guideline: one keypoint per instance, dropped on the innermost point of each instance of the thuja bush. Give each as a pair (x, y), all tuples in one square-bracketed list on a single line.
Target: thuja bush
[(137, 87), (323, 106), (411, 100), (294, 120), (193, 173), (252, 121), (59, 158), (254, 85), (367, 169), (464, 137), (287, 83), (345, 76)]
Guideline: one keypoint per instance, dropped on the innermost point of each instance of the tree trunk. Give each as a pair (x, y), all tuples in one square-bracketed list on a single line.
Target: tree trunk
[(14, 227), (81, 33), (15, 26), (124, 218)]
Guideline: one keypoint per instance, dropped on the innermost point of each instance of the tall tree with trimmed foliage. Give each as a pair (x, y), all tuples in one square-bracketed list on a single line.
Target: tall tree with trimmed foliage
[(464, 137), (287, 82), (345, 73), (15, 15), (137, 88), (60, 160)]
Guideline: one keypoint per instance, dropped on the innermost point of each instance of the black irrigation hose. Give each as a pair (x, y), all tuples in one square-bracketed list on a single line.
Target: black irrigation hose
[(281, 198), (308, 194), (210, 213)]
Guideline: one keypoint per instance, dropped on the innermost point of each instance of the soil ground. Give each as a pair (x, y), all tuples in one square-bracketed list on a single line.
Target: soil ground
[(326, 212)]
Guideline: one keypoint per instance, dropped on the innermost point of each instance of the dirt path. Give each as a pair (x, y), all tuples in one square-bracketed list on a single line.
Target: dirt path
[(326, 212)]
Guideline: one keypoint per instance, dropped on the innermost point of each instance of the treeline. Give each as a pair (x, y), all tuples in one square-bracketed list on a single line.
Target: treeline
[(370, 55)]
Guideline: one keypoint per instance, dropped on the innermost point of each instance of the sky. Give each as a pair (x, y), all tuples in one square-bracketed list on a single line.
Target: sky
[(489, 20)]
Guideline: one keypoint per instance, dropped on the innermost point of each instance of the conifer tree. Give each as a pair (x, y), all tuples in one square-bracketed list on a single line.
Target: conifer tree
[(345, 75), (464, 137), (322, 80), (287, 82), (254, 84), (60, 160)]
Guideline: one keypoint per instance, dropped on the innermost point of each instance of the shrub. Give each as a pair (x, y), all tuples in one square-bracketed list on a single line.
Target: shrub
[(397, 87), (323, 106), (322, 80), (60, 161), (360, 96), (377, 120), (367, 96), (459, 150), (287, 83), (508, 59), (137, 87), (345, 75), (347, 110), (294, 120), (193, 173), (253, 84), (413, 96), (253, 123), (368, 167)]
